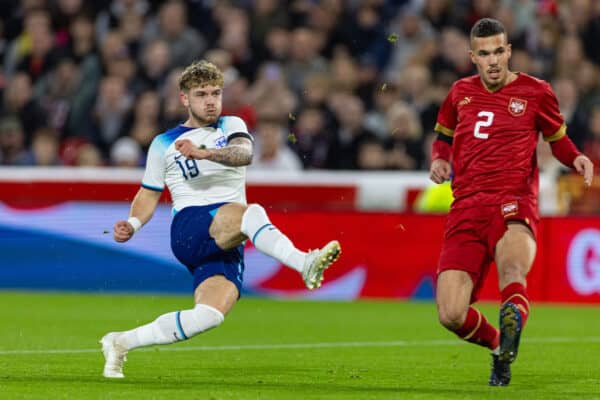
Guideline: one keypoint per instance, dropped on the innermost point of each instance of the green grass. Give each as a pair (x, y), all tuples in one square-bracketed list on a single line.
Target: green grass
[(558, 358)]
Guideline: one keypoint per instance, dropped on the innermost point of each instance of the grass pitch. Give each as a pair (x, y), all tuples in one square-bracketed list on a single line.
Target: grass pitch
[(282, 350)]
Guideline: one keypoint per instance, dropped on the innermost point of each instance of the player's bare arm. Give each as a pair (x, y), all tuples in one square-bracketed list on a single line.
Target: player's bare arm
[(237, 153), (584, 166), (142, 208)]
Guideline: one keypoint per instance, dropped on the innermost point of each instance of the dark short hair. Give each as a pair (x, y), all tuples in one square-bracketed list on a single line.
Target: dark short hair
[(487, 27)]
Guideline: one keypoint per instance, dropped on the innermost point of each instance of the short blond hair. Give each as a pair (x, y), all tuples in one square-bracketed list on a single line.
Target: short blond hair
[(200, 73)]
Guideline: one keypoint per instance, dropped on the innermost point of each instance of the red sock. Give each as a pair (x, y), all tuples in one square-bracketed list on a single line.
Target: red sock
[(516, 293), (476, 329)]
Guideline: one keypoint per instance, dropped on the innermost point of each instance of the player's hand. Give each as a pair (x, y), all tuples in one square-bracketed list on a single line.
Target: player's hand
[(123, 231), (440, 171), (189, 150), (584, 166)]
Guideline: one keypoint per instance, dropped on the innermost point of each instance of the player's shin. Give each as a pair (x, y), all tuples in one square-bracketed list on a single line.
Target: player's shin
[(476, 329), (269, 240), (172, 327)]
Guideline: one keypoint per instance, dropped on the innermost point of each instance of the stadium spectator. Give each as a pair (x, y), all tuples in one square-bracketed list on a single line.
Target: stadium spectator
[(12, 142), (18, 99), (185, 43), (36, 23), (304, 59), (155, 64), (350, 113), (89, 156), (44, 148), (173, 110), (67, 98), (126, 152), (110, 18), (488, 127), (313, 136), (272, 151), (404, 143), (211, 220), (270, 93), (145, 120), (236, 102), (111, 111)]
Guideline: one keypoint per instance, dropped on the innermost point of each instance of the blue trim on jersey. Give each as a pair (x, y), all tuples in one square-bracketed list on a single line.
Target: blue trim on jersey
[(179, 328), (217, 124), (260, 230), (213, 212), (156, 189), (220, 122), (165, 139)]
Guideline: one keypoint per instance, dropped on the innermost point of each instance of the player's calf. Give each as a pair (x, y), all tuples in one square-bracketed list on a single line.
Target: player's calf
[(168, 328)]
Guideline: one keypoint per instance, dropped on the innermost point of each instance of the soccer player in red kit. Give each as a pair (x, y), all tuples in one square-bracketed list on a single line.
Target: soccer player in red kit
[(488, 129)]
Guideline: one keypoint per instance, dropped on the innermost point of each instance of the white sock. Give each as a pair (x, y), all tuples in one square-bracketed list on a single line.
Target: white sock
[(172, 327), (269, 240)]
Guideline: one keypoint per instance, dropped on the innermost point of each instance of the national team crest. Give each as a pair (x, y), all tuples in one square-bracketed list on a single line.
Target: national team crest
[(516, 106), (509, 209)]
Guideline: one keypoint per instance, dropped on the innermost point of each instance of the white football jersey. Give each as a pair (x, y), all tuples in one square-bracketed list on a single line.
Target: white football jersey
[(196, 182)]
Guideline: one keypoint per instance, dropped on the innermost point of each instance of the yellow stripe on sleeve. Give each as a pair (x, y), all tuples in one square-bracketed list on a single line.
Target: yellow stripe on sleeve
[(562, 131), (443, 130)]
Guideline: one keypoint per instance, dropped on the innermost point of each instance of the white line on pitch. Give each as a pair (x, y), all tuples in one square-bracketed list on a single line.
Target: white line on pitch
[(323, 345)]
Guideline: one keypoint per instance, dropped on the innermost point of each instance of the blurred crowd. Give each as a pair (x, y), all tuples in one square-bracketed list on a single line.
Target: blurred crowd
[(330, 84)]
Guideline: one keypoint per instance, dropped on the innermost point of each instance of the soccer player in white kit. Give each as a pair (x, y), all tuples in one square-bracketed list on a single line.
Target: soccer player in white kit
[(202, 162)]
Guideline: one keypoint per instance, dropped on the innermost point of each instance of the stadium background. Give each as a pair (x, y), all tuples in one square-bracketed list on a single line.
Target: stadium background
[(341, 97)]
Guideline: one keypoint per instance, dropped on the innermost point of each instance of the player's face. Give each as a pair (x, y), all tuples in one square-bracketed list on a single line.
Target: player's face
[(490, 55), (204, 103)]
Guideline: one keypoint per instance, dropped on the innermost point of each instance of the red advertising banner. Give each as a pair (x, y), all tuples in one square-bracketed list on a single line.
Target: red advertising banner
[(395, 255)]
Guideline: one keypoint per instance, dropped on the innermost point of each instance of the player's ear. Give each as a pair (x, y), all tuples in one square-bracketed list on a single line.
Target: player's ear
[(184, 99), (509, 49), (472, 55)]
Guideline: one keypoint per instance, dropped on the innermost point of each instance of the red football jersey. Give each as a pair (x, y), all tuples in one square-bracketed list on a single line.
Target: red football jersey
[(495, 137)]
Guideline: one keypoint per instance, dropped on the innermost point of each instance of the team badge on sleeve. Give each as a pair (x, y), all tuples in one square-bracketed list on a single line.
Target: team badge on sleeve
[(516, 106)]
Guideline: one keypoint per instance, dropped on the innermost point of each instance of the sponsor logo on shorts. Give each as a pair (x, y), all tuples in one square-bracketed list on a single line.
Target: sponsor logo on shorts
[(509, 209)]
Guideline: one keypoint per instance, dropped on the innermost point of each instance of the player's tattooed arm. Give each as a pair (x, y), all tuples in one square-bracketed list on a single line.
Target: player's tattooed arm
[(237, 153)]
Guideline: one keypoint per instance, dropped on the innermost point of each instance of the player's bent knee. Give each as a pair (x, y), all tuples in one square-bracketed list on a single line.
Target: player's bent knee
[(253, 219), (451, 319)]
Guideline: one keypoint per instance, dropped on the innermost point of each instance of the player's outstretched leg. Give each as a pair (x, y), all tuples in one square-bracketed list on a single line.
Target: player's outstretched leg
[(168, 328), (511, 324), (317, 261), (271, 241)]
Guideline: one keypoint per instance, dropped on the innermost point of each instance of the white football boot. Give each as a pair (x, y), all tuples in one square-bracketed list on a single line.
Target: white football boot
[(114, 355), (317, 261)]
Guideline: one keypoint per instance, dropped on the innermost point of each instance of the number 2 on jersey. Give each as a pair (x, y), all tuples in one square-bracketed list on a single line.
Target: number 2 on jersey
[(489, 118), (190, 167)]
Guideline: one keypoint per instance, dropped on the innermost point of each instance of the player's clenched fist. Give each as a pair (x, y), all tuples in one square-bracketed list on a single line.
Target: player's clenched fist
[(440, 171), (189, 150), (123, 231)]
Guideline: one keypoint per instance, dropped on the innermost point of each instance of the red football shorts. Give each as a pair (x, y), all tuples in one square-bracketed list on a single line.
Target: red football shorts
[(472, 234)]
